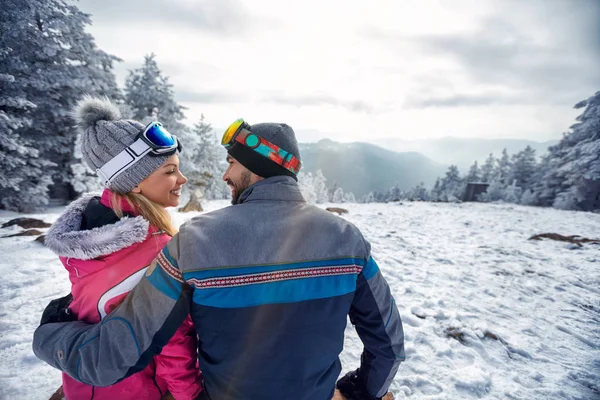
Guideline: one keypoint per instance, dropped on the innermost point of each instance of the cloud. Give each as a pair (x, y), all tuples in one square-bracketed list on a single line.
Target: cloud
[(321, 100), (499, 54), (460, 100), (518, 54), (229, 17), (210, 97)]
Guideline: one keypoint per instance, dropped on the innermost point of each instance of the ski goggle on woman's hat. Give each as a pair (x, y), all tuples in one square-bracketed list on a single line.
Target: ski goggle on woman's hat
[(239, 131), (154, 139)]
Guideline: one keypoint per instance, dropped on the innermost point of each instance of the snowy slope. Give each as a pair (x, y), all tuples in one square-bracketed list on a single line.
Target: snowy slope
[(527, 313)]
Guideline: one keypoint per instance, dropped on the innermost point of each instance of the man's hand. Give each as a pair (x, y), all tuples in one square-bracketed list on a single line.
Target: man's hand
[(351, 388), (58, 311)]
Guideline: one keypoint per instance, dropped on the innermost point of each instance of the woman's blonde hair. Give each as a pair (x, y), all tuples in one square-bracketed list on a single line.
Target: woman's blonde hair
[(154, 213)]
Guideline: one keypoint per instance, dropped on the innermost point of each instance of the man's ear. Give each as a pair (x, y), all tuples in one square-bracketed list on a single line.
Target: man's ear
[(136, 190)]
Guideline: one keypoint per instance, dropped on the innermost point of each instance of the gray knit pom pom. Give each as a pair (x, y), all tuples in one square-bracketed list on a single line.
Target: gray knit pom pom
[(90, 110)]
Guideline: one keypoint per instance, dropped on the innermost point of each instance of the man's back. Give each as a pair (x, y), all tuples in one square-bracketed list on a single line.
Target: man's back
[(274, 279), (268, 283)]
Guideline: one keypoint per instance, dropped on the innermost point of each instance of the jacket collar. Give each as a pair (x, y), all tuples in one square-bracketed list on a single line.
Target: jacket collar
[(275, 188), (105, 200), (66, 239)]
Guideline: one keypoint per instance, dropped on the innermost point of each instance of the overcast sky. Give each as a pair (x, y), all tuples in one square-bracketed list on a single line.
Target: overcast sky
[(360, 70)]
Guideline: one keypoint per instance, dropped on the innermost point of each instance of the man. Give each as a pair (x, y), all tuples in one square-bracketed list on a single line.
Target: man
[(269, 283)]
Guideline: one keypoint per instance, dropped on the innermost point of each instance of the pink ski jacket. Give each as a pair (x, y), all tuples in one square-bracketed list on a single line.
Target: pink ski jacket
[(106, 257)]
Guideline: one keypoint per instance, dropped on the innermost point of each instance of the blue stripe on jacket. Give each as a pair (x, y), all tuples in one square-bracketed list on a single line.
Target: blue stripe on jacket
[(289, 291), (165, 283)]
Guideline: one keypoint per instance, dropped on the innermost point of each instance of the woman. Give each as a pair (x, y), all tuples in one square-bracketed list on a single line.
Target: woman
[(107, 242)]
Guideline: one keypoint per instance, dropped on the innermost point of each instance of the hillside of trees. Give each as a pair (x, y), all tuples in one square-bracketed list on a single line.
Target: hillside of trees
[(567, 177)]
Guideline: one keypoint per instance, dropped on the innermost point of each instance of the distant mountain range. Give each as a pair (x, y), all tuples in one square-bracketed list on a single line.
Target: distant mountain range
[(463, 151), (363, 167)]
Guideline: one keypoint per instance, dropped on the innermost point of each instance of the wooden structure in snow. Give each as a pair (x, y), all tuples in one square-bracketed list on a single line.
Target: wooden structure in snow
[(473, 190)]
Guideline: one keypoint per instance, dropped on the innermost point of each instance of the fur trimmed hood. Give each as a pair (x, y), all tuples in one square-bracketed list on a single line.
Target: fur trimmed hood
[(66, 239)]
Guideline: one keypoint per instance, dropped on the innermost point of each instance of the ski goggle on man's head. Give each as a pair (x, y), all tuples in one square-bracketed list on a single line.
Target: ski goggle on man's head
[(239, 131), (153, 140)]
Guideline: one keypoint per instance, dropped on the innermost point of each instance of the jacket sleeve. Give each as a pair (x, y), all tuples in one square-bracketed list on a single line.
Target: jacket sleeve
[(177, 363), (377, 321), (130, 336)]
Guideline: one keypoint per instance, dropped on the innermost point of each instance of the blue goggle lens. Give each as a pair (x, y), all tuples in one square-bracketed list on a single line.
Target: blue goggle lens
[(159, 136)]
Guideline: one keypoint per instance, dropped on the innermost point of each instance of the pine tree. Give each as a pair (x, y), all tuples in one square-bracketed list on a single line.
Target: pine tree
[(503, 168), (349, 197), (338, 196), (418, 193), (495, 191), (320, 185), (523, 167), (529, 198), (436, 191), (151, 96), (512, 193), (474, 174), (394, 194), (307, 187), (202, 161), (369, 198), (574, 162), (23, 184), (487, 169), (451, 186), (54, 62)]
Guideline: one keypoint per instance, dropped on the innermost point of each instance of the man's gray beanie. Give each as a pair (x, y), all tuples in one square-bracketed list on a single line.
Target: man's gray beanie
[(105, 135)]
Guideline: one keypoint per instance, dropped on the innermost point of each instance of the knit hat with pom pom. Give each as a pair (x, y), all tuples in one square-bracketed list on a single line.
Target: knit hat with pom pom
[(105, 135)]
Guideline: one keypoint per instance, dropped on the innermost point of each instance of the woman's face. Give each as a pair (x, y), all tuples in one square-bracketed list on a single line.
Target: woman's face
[(163, 186)]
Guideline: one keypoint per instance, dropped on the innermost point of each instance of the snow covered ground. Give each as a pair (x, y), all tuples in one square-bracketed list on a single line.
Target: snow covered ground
[(487, 313)]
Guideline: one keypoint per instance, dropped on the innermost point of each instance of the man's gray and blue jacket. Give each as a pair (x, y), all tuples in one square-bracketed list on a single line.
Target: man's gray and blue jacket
[(269, 283)]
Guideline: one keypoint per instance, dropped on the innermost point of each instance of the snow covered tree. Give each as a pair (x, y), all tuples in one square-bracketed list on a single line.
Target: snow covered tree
[(332, 190), (474, 173), (436, 191), (529, 198), (495, 191), (202, 162), (151, 96), (320, 187), (523, 168), (54, 61), (512, 193), (349, 197), (338, 196), (307, 187), (369, 198), (487, 169), (418, 193), (503, 167), (394, 194), (574, 161), (451, 186), (23, 184)]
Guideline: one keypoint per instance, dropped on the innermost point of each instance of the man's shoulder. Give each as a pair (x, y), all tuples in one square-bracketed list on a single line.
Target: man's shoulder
[(210, 219), (328, 217)]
